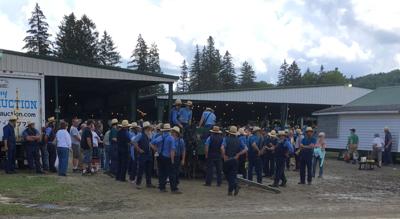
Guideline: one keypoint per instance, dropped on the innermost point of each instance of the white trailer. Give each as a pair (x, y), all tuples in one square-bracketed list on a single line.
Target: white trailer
[(22, 95)]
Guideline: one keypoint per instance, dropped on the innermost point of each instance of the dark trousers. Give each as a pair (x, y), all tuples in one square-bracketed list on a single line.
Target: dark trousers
[(166, 170), (297, 159), (145, 167), (242, 166), (211, 163), (44, 153), (177, 166), (122, 165), (387, 155), (51, 148), (231, 167), (255, 164), (280, 170), (32, 154), (269, 164), (114, 159), (10, 164), (305, 162), (132, 168)]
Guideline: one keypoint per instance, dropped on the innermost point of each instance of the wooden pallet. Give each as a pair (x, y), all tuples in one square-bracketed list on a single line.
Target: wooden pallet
[(262, 186)]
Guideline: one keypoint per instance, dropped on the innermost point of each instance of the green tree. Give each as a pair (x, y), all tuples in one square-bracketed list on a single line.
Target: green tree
[(140, 56), (210, 66), (66, 43), (332, 77), (293, 75), (247, 76), (153, 61), (37, 42), (373, 81), (107, 51), (283, 74), (309, 78), (195, 71), (183, 83), (227, 75)]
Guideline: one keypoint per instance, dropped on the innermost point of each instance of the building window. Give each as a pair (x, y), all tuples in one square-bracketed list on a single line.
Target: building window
[(329, 125)]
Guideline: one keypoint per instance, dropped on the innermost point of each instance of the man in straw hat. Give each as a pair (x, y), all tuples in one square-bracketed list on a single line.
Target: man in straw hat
[(254, 154), (269, 158), (123, 142), (165, 146), (9, 144), (185, 114), (208, 118), (306, 154), (135, 129), (112, 151), (281, 153), (175, 113), (231, 150), (180, 152), (213, 155), (388, 147), (243, 137), (144, 155), (49, 137), (31, 137)]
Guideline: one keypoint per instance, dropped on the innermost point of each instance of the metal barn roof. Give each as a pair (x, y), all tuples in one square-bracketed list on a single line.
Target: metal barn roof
[(319, 95), (381, 100), (50, 66)]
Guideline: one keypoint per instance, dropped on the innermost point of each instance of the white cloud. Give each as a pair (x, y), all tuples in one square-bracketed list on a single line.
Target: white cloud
[(331, 47), (12, 35), (397, 59)]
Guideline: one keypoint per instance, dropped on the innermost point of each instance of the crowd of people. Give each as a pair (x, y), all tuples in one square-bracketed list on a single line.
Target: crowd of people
[(137, 149)]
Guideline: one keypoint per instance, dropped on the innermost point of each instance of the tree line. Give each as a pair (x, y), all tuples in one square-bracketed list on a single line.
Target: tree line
[(78, 40)]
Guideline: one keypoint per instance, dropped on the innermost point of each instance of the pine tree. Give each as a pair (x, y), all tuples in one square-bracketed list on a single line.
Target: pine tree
[(293, 75), (66, 42), (37, 41), (321, 70), (210, 66), (247, 76), (309, 78), (183, 83), (282, 75), (107, 51), (195, 69), (227, 75), (153, 61), (140, 56)]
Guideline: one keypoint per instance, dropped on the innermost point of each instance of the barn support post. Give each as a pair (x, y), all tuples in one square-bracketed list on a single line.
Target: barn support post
[(57, 106), (133, 98), (284, 115)]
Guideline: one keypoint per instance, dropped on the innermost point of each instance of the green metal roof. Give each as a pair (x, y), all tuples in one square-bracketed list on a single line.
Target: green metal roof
[(380, 96), (55, 59)]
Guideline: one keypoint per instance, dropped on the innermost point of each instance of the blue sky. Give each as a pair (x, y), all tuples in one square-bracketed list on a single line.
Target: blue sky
[(357, 36)]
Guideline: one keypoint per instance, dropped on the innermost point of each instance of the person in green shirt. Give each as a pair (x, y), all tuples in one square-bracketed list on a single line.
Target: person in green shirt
[(352, 145)]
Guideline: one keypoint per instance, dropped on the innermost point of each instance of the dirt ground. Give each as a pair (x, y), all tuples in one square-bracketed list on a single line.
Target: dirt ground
[(345, 192)]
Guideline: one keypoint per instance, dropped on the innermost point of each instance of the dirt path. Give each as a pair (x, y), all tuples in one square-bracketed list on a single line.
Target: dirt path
[(345, 192)]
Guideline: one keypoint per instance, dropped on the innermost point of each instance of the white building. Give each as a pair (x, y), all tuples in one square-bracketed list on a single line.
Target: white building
[(368, 115)]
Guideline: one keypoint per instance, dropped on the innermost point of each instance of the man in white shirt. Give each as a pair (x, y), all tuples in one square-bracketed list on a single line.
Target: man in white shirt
[(76, 141), (63, 142), (377, 147)]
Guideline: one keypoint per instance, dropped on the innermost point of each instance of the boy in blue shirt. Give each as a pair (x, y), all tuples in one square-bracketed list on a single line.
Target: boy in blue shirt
[(254, 154), (306, 153)]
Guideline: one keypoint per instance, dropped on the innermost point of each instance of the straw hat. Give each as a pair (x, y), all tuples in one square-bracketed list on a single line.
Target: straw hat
[(233, 130), (282, 133), (216, 129), (321, 134), (12, 118), (178, 102), (298, 131), (51, 119), (189, 103), (146, 124), (114, 121), (125, 124), (134, 125), (30, 123), (242, 131), (309, 129), (209, 109), (272, 133), (166, 127), (176, 129), (256, 129), (386, 128)]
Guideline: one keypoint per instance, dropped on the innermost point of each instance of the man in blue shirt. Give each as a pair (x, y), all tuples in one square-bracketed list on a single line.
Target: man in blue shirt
[(231, 150), (213, 156), (185, 114), (281, 152), (175, 113), (243, 137), (135, 129), (306, 153), (51, 147), (123, 142), (269, 158), (32, 137), (254, 154), (141, 143), (9, 144), (165, 146), (180, 152), (208, 118)]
